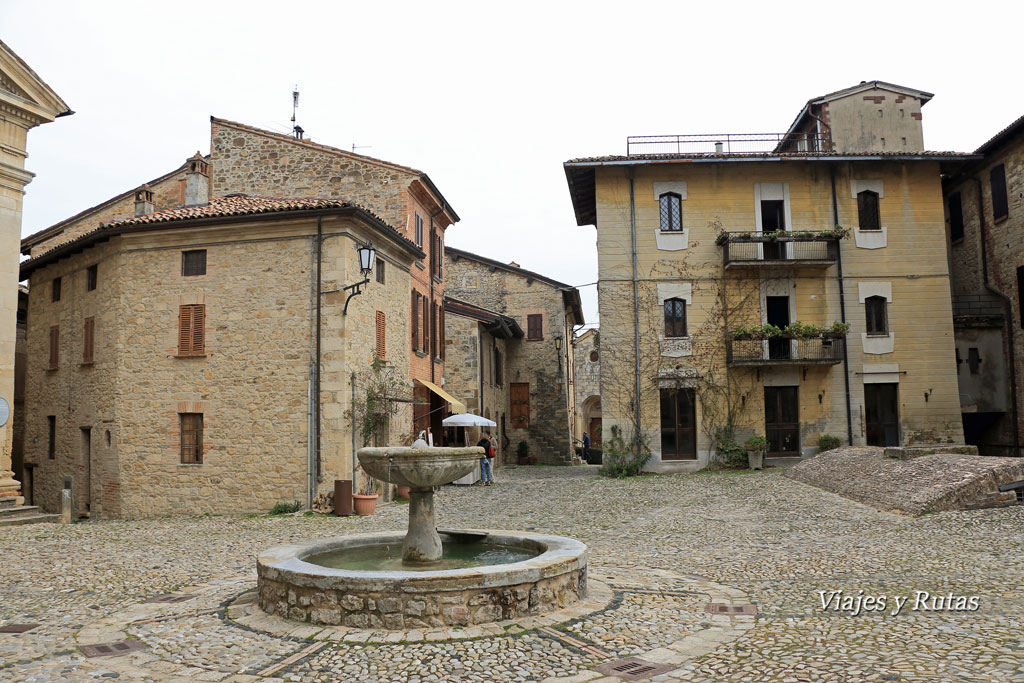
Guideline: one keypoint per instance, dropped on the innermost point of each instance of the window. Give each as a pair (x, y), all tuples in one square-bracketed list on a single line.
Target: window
[(191, 438), (54, 347), (519, 394), (1020, 295), (192, 330), (87, 340), (874, 311), (973, 360), (51, 439), (594, 356), (956, 217), (675, 318), (498, 374), (419, 231), (193, 262), (381, 336), (433, 332), (671, 211), (867, 210), (55, 289), (440, 330), (415, 321), (380, 269), (91, 274), (997, 181), (436, 254), (535, 326), (425, 310)]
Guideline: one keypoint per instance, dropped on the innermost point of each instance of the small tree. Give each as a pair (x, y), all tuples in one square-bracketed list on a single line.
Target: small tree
[(383, 390)]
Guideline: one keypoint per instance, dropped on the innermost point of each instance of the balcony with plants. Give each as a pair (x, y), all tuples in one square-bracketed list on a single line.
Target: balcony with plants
[(781, 247), (795, 344)]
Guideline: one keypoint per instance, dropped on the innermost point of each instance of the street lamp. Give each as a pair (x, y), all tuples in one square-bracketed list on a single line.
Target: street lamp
[(367, 257)]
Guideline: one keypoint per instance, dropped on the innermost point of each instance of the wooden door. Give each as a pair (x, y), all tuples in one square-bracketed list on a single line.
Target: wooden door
[(519, 398), (678, 424), (782, 421), (882, 414), (595, 432), (86, 469)]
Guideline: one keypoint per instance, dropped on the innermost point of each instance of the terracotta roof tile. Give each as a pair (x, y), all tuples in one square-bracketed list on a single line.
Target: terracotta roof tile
[(238, 205)]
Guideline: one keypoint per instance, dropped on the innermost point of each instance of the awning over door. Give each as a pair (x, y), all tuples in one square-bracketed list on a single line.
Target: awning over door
[(457, 406)]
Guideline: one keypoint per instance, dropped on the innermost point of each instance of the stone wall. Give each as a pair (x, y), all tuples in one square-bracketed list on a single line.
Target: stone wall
[(587, 382), (252, 384), (537, 362)]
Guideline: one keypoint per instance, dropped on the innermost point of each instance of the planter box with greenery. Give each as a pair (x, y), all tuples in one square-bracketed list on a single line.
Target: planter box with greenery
[(756, 447)]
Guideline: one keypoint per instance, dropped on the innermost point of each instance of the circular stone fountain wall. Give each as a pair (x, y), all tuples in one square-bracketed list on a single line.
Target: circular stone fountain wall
[(295, 589)]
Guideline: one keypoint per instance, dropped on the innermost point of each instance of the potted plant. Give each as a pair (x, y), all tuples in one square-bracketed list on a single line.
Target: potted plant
[(836, 330), (756, 446), (365, 503), (523, 453), (402, 492)]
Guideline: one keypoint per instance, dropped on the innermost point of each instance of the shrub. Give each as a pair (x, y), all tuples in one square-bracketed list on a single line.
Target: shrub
[(756, 443), (523, 450), (728, 450), (827, 442), (620, 456), (286, 508)]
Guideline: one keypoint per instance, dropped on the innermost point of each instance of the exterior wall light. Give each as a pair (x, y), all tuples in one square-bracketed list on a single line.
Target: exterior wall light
[(367, 257)]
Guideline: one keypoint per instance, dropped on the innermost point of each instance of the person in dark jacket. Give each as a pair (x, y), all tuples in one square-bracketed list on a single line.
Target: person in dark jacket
[(586, 447), (485, 462)]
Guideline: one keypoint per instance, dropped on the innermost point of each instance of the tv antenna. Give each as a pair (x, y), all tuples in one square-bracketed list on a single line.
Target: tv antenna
[(355, 147), (296, 128)]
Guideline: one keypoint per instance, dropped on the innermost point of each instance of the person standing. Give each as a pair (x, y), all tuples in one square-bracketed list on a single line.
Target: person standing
[(485, 462), (586, 448)]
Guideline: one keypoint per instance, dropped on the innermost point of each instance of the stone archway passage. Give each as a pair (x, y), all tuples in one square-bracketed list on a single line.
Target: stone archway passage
[(590, 410)]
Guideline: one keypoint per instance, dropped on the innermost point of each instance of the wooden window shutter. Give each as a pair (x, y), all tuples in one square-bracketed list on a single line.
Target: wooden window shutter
[(415, 321), (440, 331), (54, 347), (192, 330), (381, 340), (867, 210), (191, 437), (426, 324), (535, 326), (87, 345)]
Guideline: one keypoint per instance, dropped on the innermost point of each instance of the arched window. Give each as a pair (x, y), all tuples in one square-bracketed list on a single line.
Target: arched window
[(675, 318), (671, 211), (867, 210), (874, 311)]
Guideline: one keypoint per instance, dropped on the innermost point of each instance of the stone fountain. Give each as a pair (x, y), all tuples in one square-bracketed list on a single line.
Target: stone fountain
[(442, 578)]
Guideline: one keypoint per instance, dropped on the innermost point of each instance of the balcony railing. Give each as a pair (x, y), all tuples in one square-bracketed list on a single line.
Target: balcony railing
[(801, 248), (785, 350), (727, 143)]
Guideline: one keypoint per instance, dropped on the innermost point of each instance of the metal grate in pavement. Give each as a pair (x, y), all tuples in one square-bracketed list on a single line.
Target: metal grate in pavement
[(634, 668), (172, 597), (17, 628), (719, 608), (118, 647)]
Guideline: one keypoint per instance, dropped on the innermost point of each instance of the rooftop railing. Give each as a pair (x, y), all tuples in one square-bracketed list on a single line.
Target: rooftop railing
[(727, 143)]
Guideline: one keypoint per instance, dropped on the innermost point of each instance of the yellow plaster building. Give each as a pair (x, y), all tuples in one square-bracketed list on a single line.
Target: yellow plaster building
[(791, 292), (25, 102)]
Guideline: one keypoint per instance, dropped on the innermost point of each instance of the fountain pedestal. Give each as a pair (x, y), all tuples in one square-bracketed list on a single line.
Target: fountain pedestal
[(421, 469)]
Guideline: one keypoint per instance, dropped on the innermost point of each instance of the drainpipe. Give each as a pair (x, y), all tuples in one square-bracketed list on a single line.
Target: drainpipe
[(353, 406), (842, 308), (636, 307), (316, 376), (1008, 308)]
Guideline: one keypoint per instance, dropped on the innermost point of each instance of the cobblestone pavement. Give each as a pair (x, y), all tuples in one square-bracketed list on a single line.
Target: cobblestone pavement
[(662, 547)]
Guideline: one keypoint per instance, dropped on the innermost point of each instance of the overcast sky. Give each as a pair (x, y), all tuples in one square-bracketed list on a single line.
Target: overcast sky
[(487, 98)]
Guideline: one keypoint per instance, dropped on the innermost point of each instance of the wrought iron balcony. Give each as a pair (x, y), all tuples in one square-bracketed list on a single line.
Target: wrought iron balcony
[(785, 248), (729, 143), (785, 350)]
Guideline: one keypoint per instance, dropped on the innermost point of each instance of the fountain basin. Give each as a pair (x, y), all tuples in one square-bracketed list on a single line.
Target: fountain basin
[(419, 468), (293, 588)]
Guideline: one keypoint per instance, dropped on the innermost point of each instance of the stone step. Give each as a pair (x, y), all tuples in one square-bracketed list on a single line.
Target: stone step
[(28, 518), (17, 510)]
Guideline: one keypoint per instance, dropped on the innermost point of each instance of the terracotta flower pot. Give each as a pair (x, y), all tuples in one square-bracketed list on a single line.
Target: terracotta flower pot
[(364, 504), (402, 492)]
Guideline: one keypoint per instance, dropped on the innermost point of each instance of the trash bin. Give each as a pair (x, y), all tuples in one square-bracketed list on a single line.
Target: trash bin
[(343, 497)]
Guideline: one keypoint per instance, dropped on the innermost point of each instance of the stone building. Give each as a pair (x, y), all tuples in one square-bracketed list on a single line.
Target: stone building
[(587, 385), (727, 280), (985, 219), (478, 341), (252, 161), (25, 102), (539, 366), (173, 355)]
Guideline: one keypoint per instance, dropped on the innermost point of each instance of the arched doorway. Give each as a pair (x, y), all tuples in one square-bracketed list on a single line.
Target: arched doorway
[(591, 411)]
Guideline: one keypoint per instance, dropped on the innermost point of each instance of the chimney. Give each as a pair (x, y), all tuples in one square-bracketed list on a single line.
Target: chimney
[(197, 181), (143, 201), (719, 148)]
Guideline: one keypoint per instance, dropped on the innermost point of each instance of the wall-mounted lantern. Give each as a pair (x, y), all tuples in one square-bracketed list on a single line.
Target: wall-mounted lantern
[(367, 257)]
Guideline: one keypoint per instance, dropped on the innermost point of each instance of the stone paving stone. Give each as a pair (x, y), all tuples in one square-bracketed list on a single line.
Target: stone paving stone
[(754, 538)]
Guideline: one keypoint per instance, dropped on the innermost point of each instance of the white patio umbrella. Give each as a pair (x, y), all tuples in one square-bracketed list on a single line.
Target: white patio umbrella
[(467, 420)]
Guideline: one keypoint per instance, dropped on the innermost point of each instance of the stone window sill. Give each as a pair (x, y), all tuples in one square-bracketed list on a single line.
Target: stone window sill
[(190, 464), (420, 354), (535, 339), (436, 279), (881, 335), (1003, 219), (190, 355), (88, 364), (438, 360), (666, 231), (420, 265)]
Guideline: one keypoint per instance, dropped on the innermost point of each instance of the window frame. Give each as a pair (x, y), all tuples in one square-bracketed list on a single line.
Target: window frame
[(876, 317), (196, 457), (956, 217), (418, 223), (672, 326), (537, 318), (88, 340), (186, 266), (55, 289), (1000, 199), (91, 277), (415, 321), (54, 361), (869, 213), (667, 201), (51, 438), (379, 266)]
